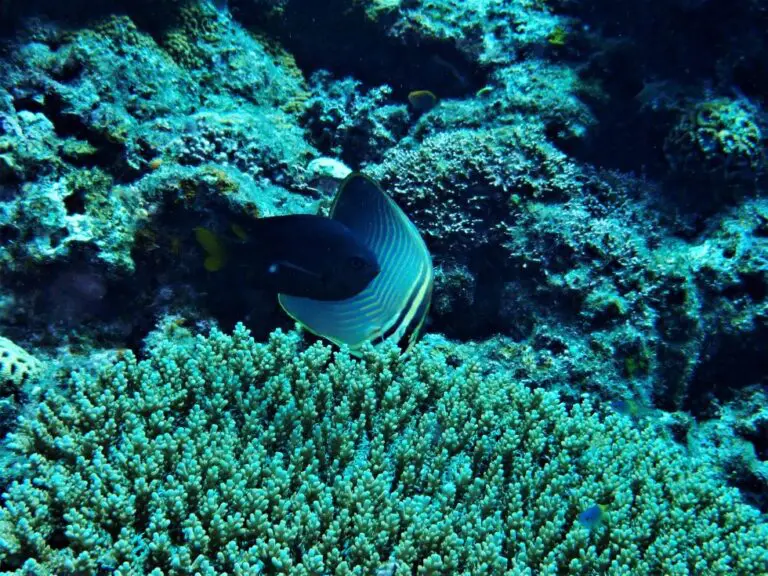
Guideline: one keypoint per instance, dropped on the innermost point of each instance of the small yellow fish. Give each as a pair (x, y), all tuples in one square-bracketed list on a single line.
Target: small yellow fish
[(558, 36), (215, 253), (238, 231), (484, 91), (629, 407), (422, 100)]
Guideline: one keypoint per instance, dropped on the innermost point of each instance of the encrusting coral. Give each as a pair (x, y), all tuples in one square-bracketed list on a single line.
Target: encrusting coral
[(219, 455), (16, 364), (718, 138)]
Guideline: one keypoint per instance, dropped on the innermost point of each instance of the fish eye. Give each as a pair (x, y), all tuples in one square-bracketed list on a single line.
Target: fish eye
[(356, 263)]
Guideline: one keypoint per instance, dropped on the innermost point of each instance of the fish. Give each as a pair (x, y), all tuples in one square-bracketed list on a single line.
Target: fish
[(593, 516), (422, 100), (388, 569), (238, 231), (299, 254), (307, 256), (452, 70), (631, 408), (484, 91), (393, 307), (215, 252)]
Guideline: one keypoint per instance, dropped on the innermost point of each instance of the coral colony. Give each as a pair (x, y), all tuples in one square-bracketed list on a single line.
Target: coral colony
[(383, 288)]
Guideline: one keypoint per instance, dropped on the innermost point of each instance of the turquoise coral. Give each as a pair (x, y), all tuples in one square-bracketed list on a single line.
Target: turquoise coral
[(220, 455)]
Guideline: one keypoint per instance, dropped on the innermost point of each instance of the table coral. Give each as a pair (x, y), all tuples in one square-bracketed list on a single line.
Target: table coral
[(219, 455)]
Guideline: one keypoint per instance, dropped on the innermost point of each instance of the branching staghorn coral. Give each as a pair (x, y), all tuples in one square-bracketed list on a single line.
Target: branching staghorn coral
[(219, 455)]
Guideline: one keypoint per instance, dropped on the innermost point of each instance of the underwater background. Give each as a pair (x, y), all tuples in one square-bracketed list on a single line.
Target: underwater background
[(589, 394)]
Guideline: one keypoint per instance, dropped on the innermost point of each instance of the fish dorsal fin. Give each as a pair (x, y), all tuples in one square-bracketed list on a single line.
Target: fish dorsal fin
[(393, 306)]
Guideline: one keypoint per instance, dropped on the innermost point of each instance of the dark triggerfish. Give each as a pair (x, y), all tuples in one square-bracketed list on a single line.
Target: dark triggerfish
[(393, 306)]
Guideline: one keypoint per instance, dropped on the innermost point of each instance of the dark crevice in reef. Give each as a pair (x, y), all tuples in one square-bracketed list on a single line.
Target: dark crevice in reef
[(728, 365), (642, 66), (752, 490), (75, 203), (649, 31), (332, 36), (758, 437), (480, 308)]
